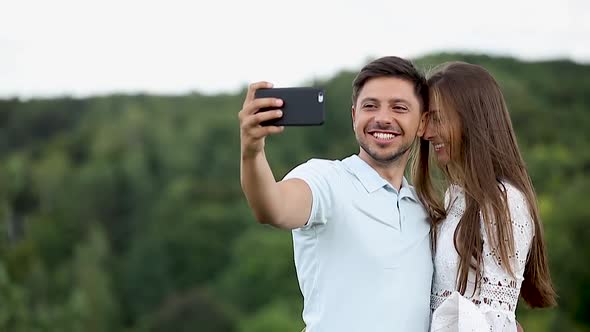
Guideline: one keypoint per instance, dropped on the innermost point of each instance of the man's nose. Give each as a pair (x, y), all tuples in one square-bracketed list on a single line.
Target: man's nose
[(383, 116)]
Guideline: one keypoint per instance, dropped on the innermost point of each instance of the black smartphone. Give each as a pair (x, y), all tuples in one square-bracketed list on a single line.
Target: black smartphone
[(302, 106)]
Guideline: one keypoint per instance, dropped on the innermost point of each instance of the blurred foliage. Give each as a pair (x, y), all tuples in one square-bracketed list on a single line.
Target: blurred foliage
[(124, 213)]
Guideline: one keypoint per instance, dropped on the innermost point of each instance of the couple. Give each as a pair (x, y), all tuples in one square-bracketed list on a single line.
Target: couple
[(372, 252)]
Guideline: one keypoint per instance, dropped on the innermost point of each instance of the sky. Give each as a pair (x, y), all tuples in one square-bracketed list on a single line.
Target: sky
[(82, 48)]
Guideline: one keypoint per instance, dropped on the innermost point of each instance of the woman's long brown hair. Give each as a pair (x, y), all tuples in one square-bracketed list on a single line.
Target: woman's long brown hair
[(483, 154)]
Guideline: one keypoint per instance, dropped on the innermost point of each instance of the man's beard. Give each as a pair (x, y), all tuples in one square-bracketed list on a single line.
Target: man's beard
[(388, 159)]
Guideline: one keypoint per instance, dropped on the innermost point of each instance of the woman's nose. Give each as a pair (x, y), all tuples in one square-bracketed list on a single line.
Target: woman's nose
[(429, 132)]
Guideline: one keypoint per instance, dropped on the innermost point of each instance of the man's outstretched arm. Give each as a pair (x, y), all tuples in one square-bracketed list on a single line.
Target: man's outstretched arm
[(285, 204)]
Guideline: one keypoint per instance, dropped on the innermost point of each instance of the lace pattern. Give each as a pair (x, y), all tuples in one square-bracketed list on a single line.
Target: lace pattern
[(498, 293)]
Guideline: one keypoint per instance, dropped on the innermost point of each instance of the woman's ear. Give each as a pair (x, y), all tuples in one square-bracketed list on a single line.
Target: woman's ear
[(422, 125)]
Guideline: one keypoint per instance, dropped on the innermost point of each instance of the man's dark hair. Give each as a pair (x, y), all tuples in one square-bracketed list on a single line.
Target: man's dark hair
[(392, 66)]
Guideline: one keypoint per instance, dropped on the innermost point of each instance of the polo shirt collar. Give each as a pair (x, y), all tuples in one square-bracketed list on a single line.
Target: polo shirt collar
[(372, 181)]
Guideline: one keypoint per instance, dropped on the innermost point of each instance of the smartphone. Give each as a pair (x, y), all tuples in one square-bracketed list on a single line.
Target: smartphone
[(302, 106)]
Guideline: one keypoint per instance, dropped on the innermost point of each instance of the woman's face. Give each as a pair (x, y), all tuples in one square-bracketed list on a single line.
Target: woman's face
[(443, 130)]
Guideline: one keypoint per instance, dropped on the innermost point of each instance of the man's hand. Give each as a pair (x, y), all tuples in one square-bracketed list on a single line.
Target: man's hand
[(286, 204), (252, 134)]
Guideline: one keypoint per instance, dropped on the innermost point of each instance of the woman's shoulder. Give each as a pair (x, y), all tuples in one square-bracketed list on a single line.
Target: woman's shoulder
[(518, 206), (514, 195), (453, 192)]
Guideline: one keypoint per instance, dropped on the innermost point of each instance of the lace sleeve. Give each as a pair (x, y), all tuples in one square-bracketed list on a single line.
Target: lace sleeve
[(499, 290)]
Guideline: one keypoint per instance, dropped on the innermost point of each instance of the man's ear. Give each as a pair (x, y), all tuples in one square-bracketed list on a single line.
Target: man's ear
[(422, 125), (353, 114)]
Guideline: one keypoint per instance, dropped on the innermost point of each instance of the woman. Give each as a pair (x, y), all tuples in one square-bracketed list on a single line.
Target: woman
[(487, 235)]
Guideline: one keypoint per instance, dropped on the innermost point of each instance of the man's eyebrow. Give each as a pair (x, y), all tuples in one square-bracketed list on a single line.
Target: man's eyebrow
[(399, 100), (369, 99)]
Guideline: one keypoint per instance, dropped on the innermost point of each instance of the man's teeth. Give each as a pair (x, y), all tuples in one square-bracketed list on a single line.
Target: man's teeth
[(383, 135), (439, 146)]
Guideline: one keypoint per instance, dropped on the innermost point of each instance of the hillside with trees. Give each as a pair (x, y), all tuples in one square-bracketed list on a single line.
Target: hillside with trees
[(125, 213)]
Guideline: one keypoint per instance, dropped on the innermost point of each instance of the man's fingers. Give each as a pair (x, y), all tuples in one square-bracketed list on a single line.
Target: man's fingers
[(256, 119), (255, 105), (251, 126), (252, 90), (275, 129)]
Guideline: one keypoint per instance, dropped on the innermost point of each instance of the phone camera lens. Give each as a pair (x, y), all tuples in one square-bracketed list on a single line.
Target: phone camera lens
[(320, 97)]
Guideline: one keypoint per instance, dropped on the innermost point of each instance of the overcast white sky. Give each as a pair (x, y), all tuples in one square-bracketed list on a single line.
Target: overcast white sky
[(82, 47)]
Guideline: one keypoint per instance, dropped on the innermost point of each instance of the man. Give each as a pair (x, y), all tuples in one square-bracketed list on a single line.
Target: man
[(360, 235)]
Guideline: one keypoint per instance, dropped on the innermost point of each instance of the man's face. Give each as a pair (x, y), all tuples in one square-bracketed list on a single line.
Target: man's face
[(386, 119)]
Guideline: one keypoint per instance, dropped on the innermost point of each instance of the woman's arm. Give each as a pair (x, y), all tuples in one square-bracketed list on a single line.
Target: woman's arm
[(500, 290)]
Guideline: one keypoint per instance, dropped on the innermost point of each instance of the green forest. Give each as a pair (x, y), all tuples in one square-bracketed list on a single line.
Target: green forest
[(125, 213)]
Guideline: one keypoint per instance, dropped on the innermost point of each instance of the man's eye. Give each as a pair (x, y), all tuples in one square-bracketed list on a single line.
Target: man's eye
[(401, 108), (370, 106)]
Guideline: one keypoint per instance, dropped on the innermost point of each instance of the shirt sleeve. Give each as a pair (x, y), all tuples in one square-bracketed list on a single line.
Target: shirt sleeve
[(458, 314), (317, 174), (500, 290)]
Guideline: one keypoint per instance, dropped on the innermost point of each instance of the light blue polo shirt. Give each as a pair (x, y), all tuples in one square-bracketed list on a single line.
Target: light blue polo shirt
[(363, 259)]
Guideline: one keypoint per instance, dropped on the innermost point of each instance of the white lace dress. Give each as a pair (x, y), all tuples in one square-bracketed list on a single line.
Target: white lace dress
[(492, 306)]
